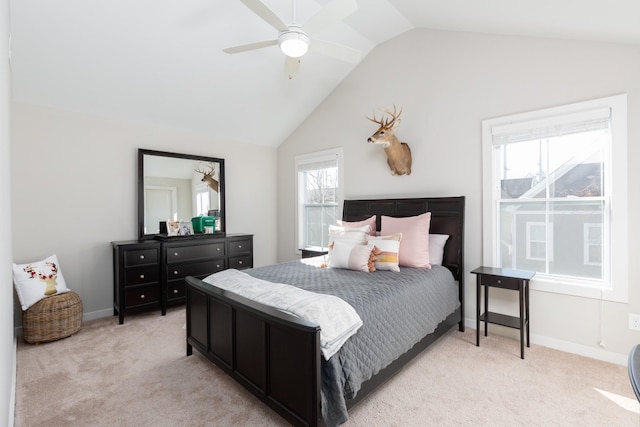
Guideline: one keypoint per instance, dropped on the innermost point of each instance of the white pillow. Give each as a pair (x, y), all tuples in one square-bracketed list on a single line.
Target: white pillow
[(37, 280), (352, 256), (348, 234), (436, 248), (388, 256)]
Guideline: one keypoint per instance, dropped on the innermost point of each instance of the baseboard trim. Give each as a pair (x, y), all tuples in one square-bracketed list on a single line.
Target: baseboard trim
[(97, 314), (597, 353), (12, 396)]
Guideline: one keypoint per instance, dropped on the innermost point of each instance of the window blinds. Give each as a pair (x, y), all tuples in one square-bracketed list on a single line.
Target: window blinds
[(532, 130)]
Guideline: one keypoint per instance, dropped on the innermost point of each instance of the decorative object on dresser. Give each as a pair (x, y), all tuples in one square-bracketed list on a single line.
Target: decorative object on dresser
[(150, 274), (278, 357), (398, 153), (516, 280)]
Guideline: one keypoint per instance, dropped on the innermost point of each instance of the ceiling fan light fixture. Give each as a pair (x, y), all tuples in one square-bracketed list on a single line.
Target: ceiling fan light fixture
[(294, 43)]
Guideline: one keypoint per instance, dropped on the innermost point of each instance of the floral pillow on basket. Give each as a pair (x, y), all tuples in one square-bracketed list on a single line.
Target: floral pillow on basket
[(37, 280)]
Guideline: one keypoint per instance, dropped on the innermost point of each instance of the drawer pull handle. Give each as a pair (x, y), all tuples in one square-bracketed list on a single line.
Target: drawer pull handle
[(175, 291), (142, 276), (175, 254), (141, 256), (175, 272), (499, 281), (240, 262), (217, 265), (142, 296), (218, 249), (239, 246)]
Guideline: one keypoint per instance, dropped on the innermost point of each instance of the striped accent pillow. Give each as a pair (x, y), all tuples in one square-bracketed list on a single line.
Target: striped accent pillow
[(388, 256)]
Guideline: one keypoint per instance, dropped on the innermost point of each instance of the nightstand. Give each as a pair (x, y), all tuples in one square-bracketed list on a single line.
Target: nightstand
[(308, 253), (516, 280)]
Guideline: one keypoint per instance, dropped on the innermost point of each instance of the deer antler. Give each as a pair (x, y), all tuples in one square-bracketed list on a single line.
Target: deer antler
[(211, 167), (389, 122)]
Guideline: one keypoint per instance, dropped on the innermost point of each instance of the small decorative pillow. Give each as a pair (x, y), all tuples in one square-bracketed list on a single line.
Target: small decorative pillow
[(371, 222), (37, 280), (352, 256), (389, 249), (414, 247), (436, 248), (347, 234)]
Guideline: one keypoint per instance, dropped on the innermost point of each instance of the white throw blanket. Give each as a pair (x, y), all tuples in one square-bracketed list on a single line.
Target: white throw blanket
[(337, 319)]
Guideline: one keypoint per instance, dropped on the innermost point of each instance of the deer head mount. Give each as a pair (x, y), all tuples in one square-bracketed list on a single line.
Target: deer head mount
[(398, 153), (208, 178)]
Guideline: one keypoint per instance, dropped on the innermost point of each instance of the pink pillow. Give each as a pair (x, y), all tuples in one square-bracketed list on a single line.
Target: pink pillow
[(371, 222), (414, 246)]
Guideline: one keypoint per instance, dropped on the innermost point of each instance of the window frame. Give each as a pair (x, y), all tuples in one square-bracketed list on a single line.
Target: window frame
[(310, 158), (616, 289)]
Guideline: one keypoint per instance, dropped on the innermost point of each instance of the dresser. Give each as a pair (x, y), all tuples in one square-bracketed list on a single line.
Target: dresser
[(150, 274)]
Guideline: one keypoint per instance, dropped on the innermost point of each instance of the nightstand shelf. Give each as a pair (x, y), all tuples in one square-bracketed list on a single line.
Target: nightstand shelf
[(516, 280), (501, 319)]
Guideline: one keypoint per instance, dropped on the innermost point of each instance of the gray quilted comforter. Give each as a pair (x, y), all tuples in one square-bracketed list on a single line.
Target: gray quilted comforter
[(397, 310)]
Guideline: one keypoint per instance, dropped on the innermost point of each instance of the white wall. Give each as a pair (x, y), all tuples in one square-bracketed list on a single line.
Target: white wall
[(7, 340), (447, 83), (75, 190)]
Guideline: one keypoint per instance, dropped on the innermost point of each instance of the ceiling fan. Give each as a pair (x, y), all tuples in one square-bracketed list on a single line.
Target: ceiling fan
[(294, 41)]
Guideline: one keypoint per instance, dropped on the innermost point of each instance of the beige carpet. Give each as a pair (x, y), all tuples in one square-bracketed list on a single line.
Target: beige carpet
[(137, 374)]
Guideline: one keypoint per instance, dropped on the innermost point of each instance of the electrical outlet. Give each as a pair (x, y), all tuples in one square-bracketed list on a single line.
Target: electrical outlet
[(634, 322)]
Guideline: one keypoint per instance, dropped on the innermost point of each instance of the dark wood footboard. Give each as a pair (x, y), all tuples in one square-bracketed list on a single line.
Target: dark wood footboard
[(273, 355)]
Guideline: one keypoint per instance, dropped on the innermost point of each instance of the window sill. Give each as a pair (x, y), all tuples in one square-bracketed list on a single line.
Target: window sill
[(578, 288)]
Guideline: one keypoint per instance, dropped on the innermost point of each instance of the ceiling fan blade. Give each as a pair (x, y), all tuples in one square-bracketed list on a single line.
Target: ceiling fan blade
[(329, 14), (265, 13), (291, 67), (335, 50), (250, 46)]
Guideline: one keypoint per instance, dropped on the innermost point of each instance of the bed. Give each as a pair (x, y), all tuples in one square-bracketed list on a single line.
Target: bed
[(277, 356)]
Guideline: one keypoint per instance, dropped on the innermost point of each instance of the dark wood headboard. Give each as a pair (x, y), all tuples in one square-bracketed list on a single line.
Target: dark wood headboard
[(447, 217)]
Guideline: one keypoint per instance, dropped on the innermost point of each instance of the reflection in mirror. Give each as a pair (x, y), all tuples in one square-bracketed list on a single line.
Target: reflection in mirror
[(178, 187)]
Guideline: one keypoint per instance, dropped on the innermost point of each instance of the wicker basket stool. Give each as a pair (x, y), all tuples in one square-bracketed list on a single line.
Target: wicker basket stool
[(52, 318)]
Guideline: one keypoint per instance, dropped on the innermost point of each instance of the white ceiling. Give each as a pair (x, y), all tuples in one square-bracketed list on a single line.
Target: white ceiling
[(161, 61)]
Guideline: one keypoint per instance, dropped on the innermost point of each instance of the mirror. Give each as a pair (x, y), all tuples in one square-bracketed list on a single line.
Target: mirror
[(178, 187)]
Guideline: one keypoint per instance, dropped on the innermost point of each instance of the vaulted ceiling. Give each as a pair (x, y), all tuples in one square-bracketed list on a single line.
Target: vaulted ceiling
[(161, 61)]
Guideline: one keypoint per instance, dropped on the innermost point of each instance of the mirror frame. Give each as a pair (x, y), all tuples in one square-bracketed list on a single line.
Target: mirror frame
[(221, 187)]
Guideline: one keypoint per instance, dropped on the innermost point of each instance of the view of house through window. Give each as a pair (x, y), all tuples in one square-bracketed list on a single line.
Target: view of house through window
[(319, 197), (550, 189)]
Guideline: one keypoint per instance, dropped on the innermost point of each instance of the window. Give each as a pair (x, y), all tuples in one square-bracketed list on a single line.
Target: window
[(319, 197), (202, 199), (552, 179), (593, 248), (537, 241)]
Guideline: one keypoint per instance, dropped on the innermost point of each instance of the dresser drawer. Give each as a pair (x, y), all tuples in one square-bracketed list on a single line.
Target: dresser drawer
[(175, 290), (241, 262), (136, 257), (141, 275), (144, 295), (194, 252), (500, 282), (198, 269), (239, 247)]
